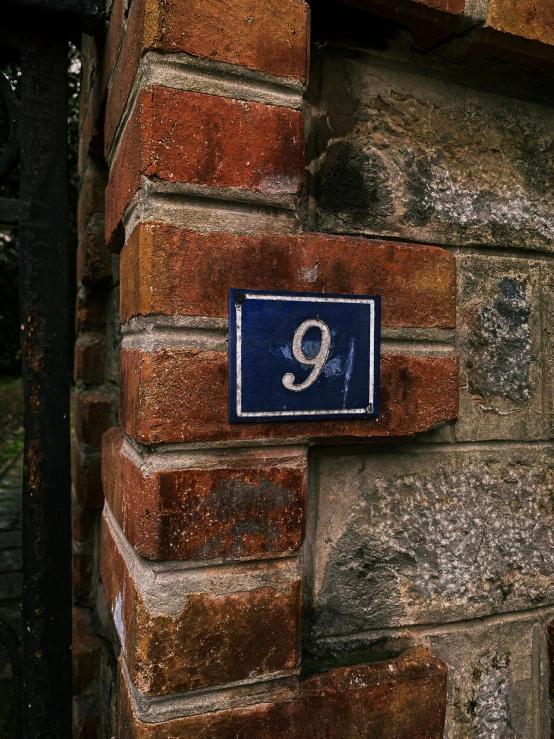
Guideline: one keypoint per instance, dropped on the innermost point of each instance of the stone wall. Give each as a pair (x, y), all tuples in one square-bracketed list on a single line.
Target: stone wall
[(445, 542), (390, 578)]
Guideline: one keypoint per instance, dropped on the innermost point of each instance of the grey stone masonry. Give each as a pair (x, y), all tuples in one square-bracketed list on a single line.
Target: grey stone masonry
[(445, 541)]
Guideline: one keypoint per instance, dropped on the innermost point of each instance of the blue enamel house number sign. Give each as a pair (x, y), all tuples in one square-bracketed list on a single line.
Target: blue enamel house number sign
[(303, 356)]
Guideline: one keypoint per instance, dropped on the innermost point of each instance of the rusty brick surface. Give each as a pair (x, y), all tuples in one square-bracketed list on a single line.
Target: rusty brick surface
[(401, 699), (178, 136), (170, 270), (181, 395), (267, 37), (242, 506), (212, 639)]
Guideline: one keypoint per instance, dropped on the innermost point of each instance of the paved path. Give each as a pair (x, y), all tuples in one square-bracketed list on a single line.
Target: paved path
[(10, 578)]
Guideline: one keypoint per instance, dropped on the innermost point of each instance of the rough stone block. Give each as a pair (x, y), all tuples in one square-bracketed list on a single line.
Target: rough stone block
[(431, 535), (179, 136), (546, 283), (182, 395), (184, 629), (231, 505), (503, 373), (173, 271), (266, 37), (400, 699), (405, 155)]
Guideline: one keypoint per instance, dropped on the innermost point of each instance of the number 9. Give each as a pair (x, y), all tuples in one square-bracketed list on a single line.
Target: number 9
[(317, 362)]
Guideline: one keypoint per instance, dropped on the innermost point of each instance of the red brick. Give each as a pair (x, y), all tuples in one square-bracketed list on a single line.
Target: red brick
[(178, 136), (113, 38), (87, 478), (83, 577), (215, 639), (430, 21), (170, 270), (91, 195), (267, 37), (526, 18), (93, 416), (88, 728), (401, 699), (84, 524), (89, 74), (91, 135), (94, 260), (89, 359), (90, 314), (242, 506), (182, 395), (86, 651)]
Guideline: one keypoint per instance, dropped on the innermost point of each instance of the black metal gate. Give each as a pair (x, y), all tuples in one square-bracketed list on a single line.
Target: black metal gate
[(34, 34)]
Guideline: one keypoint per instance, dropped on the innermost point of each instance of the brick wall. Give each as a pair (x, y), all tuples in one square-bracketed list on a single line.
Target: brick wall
[(265, 580)]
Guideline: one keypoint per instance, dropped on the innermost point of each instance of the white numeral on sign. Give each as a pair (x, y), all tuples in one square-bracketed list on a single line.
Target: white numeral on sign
[(317, 362)]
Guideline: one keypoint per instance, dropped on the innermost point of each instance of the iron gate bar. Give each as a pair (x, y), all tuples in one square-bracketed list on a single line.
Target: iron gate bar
[(44, 310), (41, 659)]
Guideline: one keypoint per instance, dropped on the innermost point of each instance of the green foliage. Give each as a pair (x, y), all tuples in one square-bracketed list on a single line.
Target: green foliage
[(11, 419)]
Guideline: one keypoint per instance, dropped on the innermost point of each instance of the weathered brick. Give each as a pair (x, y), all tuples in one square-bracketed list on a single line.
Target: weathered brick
[(93, 416), (525, 18), (88, 728), (94, 260), (170, 270), (241, 505), (114, 36), (86, 652), (177, 636), (178, 136), (182, 395), (89, 359), (267, 37), (87, 478), (83, 577), (404, 698), (84, 524), (91, 194), (90, 314), (91, 137)]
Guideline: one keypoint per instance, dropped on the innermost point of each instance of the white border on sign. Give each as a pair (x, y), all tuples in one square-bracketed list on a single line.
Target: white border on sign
[(292, 298)]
